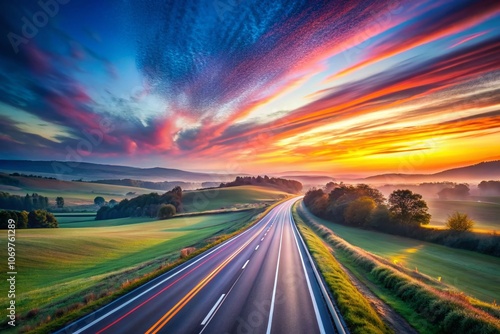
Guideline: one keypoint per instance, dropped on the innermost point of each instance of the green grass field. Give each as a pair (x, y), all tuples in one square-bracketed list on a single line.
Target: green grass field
[(53, 264), (218, 198), (473, 273), (484, 212), (71, 218)]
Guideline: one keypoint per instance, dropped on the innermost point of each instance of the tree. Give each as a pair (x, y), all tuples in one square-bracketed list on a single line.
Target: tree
[(22, 219), (358, 212), (380, 217), (459, 222), (41, 218), (99, 200), (408, 209), (60, 202), (112, 202), (166, 211)]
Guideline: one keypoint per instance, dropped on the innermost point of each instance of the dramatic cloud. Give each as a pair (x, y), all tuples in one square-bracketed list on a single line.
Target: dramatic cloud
[(318, 85)]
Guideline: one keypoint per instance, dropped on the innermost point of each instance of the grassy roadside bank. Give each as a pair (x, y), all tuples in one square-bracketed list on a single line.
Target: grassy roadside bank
[(95, 293), (425, 307), (356, 310)]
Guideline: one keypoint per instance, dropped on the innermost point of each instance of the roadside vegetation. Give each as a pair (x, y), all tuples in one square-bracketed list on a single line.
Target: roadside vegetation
[(413, 295), (355, 309), (405, 213)]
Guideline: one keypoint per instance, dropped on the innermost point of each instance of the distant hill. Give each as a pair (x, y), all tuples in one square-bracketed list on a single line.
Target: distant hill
[(91, 171), (309, 179), (489, 170)]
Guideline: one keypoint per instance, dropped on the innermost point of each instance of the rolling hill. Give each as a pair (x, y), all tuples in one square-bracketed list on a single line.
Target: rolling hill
[(91, 171), (489, 170)]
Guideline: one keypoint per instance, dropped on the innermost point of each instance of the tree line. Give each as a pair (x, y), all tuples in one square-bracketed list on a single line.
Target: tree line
[(24, 219), (290, 186), (28, 202), (489, 188), (364, 206), (403, 214), (149, 205)]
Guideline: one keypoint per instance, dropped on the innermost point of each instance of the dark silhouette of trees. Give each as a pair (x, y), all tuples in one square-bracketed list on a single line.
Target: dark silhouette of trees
[(290, 186), (99, 200), (408, 209), (459, 191), (28, 202), (60, 202), (489, 188), (143, 205), (20, 217)]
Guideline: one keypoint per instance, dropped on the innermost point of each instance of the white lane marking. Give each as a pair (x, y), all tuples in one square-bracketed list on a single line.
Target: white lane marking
[(212, 310), (271, 311), (262, 239), (257, 247), (245, 264), (315, 306), (162, 281)]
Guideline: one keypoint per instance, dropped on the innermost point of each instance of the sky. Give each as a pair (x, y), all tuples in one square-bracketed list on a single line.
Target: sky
[(343, 87)]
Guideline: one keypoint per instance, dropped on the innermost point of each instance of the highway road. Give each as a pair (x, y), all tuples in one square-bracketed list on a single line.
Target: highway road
[(260, 281)]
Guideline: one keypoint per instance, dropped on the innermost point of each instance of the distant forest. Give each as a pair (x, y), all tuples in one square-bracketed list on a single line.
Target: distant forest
[(290, 186), (28, 202), (489, 188)]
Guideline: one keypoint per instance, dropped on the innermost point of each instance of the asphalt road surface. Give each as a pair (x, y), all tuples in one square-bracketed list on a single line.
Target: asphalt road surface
[(260, 281)]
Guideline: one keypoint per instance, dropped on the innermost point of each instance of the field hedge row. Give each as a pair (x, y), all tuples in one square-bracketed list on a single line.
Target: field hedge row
[(449, 312)]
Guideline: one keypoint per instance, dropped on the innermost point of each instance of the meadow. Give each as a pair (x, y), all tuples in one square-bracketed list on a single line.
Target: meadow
[(232, 197), (483, 210), (473, 273), (57, 264)]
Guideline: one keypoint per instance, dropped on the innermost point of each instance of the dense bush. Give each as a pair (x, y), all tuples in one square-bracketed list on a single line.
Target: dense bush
[(459, 222), (290, 186), (166, 211)]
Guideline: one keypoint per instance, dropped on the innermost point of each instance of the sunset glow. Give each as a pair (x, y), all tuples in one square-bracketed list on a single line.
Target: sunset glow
[(256, 86)]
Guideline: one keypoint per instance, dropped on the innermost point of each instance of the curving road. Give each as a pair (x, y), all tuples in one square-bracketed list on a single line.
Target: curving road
[(260, 281)]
